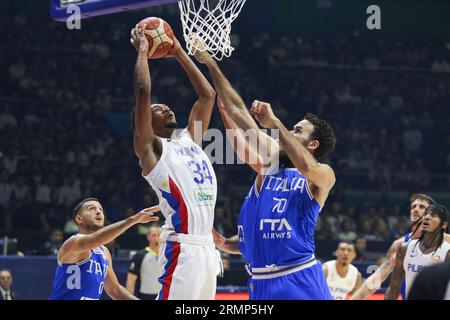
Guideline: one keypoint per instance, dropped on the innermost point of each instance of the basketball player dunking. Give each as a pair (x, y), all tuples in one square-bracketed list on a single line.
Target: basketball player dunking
[(431, 248), (278, 217), (84, 263), (418, 203), (183, 178), (342, 277)]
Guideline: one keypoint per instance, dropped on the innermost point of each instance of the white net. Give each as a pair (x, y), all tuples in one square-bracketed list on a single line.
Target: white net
[(209, 20)]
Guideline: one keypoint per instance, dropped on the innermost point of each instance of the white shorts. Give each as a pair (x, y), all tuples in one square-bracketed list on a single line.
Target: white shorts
[(189, 268)]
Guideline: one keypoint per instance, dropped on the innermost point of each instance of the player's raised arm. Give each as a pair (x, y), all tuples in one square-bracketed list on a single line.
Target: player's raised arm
[(203, 107), (398, 275), (374, 281), (85, 242), (321, 175), (144, 139), (244, 150), (235, 107)]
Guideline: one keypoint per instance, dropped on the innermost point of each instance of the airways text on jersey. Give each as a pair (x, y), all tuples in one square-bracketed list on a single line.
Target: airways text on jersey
[(275, 229)]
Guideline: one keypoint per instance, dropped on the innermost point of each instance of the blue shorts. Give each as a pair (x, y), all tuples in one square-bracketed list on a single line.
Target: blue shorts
[(306, 284)]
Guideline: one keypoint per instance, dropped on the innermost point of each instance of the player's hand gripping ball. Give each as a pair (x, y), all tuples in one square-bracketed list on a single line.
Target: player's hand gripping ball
[(159, 35)]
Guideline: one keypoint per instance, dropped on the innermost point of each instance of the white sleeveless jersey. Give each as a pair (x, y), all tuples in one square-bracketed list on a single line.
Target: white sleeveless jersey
[(340, 286), (186, 185), (415, 261)]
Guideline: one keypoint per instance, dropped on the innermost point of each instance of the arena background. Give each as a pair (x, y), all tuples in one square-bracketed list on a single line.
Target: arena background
[(65, 99)]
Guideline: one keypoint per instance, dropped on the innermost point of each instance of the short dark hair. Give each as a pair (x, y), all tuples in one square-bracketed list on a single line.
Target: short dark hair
[(440, 210), (423, 197), (323, 133), (80, 204)]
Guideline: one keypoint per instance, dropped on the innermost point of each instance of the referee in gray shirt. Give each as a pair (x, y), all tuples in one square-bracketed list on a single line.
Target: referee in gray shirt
[(142, 278)]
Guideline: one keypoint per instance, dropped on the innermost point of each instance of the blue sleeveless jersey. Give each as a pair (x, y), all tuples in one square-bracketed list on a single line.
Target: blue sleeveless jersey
[(83, 280), (276, 225)]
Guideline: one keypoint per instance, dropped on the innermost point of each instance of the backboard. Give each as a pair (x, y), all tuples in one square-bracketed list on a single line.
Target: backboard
[(92, 8)]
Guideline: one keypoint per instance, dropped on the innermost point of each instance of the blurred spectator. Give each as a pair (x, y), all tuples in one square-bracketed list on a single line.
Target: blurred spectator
[(412, 139), (21, 192), (70, 227), (43, 190), (398, 230), (52, 246), (360, 247), (346, 232), (70, 191), (114, 208), (6, 281), (7, 119), (367, 230), (53, 214), (113, 248), (10, 161), (6, 190)]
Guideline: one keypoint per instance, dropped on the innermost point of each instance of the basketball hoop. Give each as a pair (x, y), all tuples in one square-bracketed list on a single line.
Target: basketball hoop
[(211, 23)]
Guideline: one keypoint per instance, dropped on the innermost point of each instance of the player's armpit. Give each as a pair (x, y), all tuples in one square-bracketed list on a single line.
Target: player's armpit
[(149, 156), (71, 251), (321, 175)]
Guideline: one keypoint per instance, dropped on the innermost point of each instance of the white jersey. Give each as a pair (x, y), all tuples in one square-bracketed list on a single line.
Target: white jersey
[(186, 185), (340, 286), (415, 261)]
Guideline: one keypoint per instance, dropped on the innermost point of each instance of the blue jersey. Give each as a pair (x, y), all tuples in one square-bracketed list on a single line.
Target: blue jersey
[(83, 280), (276, 225)]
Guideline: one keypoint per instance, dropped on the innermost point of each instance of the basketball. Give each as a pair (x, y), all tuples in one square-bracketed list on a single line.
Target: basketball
[(159, 35)]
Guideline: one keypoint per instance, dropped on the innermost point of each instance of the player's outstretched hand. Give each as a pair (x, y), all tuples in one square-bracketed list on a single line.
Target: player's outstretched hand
[(139, 40), (146, 215), (262, 111), (219, 240), (200, 52)]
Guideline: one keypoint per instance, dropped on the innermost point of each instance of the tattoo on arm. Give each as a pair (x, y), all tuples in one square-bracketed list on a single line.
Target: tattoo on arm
[(398, 276), (374, 281)]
